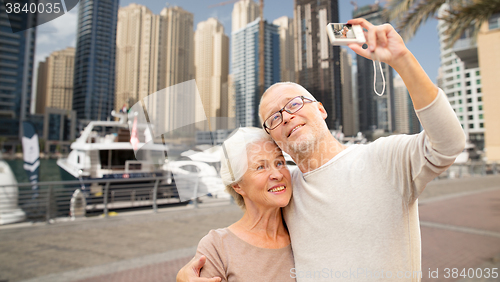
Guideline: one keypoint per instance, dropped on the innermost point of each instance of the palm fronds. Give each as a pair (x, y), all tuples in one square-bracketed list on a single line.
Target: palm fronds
[(397, 8), (409, 15), (462, 18)]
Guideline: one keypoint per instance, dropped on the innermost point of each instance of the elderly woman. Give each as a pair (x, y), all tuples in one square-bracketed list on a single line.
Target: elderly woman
[(254, 172)]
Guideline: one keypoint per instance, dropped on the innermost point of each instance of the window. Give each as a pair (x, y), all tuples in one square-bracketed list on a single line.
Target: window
[(459, 84), (471, 125), (481, 116), (458, 76), (494, 22), (480, 107), (460, 101), (469, 109), (461, 118), (479, 99), (479, 90), (459, 92), (478, 73), (471, 117), (469, 92), (458, 69), (467, 75), (467, 83), (478, 81), (481, 125), (460, 109), (469, 100)]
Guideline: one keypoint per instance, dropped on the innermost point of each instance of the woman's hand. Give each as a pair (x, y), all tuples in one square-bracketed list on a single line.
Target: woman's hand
[(384, 43), (191, 272)]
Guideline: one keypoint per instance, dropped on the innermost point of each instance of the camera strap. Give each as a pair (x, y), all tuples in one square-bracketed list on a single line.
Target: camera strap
[(374, 59)]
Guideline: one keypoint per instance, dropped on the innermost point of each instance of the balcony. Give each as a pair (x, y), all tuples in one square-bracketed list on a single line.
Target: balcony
[(466, 50)]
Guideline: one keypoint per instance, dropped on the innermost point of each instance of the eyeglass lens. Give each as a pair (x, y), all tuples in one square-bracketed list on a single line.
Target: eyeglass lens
[(291, 107)]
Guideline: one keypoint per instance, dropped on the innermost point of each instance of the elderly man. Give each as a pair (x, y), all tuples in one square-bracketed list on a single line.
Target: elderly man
[(354, 210)]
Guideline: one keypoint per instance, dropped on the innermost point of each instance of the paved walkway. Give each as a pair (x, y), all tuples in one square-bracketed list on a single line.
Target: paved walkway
[(460, 224)]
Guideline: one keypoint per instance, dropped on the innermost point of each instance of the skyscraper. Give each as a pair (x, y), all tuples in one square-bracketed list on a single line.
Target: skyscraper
[(404, 112), (55, 81), (176, 46), (176, 57), (348, 102), (16, 68), (246, 69), (137, 37), (318, 62), (374, 112), (244, 12), (94, 81), (287, 48), (212, 68), (462, 82)]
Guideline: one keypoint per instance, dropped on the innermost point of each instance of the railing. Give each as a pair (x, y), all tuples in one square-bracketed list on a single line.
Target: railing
[(100, 196), (471, 168)]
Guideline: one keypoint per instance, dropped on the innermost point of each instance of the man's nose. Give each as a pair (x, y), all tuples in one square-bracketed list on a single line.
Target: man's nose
[(287, 117)]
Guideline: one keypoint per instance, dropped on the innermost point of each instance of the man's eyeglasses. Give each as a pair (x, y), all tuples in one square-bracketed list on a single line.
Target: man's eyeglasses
[(291, 107)]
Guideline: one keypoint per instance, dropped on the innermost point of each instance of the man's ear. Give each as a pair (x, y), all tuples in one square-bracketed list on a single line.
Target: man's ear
[(238, 189), (322, 110)]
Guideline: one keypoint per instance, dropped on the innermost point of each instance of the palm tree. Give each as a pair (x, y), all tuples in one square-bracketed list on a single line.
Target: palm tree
[(460, 15)]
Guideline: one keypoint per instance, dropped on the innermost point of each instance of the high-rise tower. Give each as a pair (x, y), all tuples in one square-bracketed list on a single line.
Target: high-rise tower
[(212, 68), (246, 69), (94, 80), (374, 112), (317, 61), (16, 69)]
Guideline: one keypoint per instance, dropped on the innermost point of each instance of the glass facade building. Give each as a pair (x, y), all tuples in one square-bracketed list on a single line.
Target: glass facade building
[(317, 62), (16, 70), (246, 69), (375, 112), (94, 78)]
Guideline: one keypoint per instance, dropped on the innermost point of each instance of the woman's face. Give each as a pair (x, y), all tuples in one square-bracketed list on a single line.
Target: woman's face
[(267, 182)]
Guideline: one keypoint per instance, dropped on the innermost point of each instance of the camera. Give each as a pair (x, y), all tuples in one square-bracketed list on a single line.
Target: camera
[(343, 34)]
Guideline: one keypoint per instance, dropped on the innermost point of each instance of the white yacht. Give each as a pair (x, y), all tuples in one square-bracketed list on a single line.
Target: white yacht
[(9, 209), (104, 150)]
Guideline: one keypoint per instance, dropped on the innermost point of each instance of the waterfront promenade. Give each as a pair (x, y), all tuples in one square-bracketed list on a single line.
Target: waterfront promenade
[(460, 225)]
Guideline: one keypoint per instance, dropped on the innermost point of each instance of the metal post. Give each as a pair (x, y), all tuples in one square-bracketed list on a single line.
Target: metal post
[(47, 212), (155, 191), (106, 190)]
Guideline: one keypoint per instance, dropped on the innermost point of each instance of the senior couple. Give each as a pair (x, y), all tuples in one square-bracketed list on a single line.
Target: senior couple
[(354, 211)]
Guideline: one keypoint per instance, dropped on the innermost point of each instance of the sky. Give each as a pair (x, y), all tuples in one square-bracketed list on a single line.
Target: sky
[(61, 32)]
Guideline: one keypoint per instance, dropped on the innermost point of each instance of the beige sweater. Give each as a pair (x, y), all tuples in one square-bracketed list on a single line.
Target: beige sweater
[(356, 217), (233, 259)]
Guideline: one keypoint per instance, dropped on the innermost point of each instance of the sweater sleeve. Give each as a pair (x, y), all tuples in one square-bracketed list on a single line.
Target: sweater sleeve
[(412, 161), (211, 247)]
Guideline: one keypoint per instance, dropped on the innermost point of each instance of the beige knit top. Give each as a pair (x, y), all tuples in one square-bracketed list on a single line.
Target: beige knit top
[(233, 259)]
